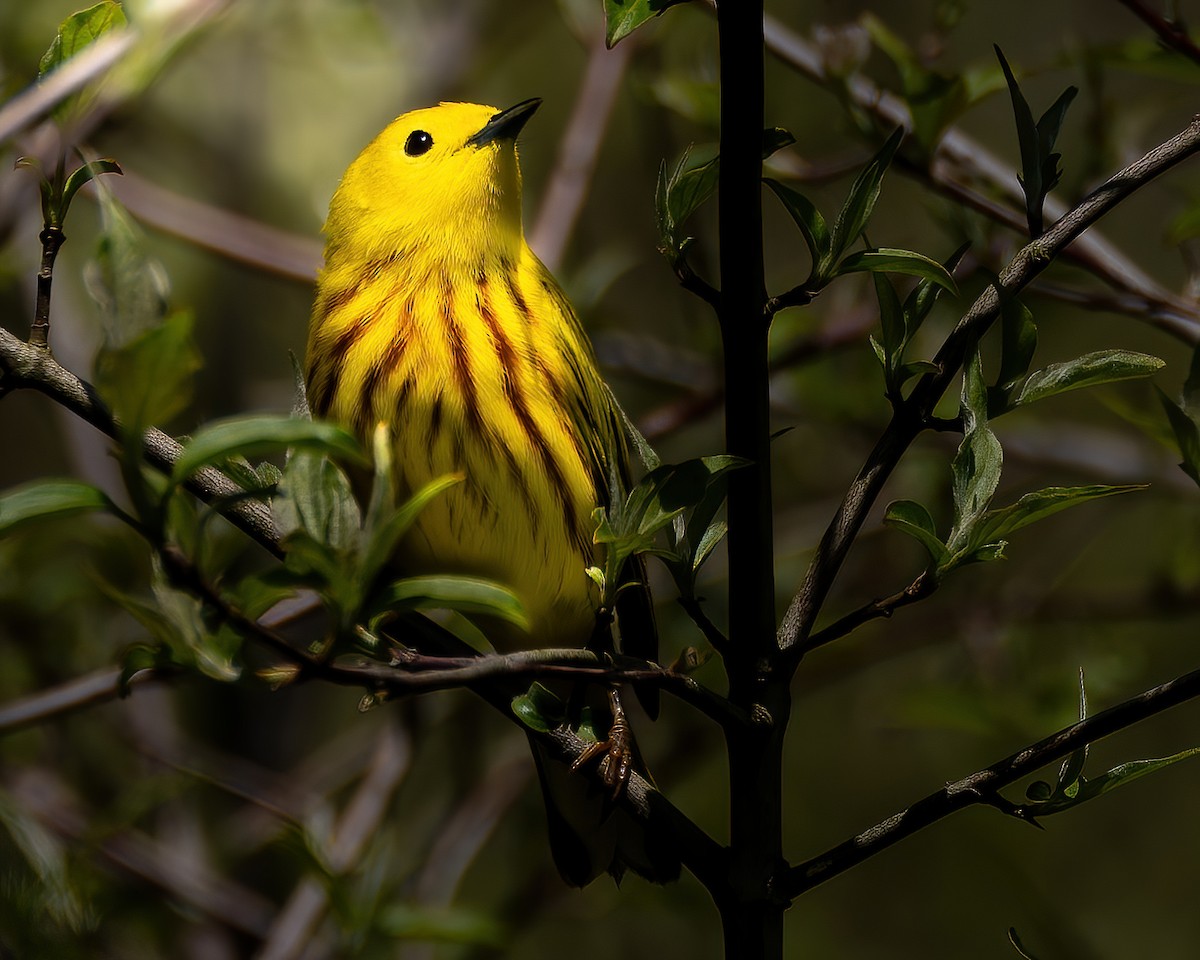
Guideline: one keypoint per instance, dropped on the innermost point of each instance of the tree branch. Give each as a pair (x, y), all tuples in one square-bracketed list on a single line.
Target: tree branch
[(24, 366), (956, 151), (910, 415), (982, 786), (1171, 32)]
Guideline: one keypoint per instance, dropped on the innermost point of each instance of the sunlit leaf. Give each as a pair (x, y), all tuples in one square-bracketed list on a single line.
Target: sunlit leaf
[(1044, 503), (864, 192), (261, 435), (890, 260), (469, 595), (812, 226), (45, 499), (1092, 369), (622, 17), (912, 518)]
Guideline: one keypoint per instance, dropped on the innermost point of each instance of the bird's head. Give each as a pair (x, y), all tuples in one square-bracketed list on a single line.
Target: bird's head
[(443, 179)]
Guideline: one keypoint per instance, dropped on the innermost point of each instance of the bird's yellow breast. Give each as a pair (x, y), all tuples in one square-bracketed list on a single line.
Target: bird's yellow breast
[(483, 371)]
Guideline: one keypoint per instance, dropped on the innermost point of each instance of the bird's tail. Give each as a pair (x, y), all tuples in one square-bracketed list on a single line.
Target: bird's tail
[(590, 834)]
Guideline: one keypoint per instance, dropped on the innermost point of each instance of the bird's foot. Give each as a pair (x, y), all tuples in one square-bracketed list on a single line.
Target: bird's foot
[(615, 752)]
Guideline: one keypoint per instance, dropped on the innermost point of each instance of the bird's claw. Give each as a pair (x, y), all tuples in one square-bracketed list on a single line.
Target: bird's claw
[(615, 752)]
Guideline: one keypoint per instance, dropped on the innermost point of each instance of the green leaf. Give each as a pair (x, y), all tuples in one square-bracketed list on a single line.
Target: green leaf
[(149, 379), (440, 924), (382, 536), (1102, 366), (539, 708), (1039, 164), (315, 498), (1018, 335), (78, 31), (891, 260), (80, 176), (75, 33), (912, 518), (1072, 767), (261, 435), (890, 350), (775, 139), (919, 303), (1187, 435), (1032, 507), (622, 17), (468, 595), (864, 192), (812, 225), (1191, 386), (45, 499), (129, 285), (977, 464)]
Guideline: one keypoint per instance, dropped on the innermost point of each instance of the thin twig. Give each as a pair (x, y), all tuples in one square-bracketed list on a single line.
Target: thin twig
[(24, 366), (911, 414), (922, 587), (77, 694), (956, 151), (1171, 32), (982, 787)]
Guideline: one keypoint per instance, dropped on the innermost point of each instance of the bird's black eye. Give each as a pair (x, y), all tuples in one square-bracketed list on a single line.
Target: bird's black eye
[(418, 142)]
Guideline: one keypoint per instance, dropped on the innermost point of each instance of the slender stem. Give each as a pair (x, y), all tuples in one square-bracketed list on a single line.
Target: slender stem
[(52, 239), (1171, 32), (982, 786), (911, 414)]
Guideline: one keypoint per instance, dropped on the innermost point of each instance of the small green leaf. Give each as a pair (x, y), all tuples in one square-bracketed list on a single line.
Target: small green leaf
[(890, 260), (919, 303), (80, 176), (890, 349), (383, 535), (1102, 366), (44, 499), (1187, 435), (315, 498), (149, 379), (468, 595), (1018, 342), (775, 139), (1039, 164), (977, 464), (812, 225), (864, 192), (1041, 504), (912, 518), (539, 708), (75, 33), (1072, 767), (622, 17), (261, 435)]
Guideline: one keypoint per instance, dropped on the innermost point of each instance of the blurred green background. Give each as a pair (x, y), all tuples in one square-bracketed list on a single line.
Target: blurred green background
[(180, 821)]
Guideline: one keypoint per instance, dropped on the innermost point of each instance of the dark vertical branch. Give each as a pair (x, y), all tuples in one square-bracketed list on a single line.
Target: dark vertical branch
[(744, 329), (752, 918)]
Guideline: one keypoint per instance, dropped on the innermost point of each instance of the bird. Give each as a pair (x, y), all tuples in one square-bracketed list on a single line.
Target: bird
[(433, 315)]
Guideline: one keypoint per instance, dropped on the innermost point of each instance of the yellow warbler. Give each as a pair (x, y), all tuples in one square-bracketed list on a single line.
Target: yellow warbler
[(433, 315)]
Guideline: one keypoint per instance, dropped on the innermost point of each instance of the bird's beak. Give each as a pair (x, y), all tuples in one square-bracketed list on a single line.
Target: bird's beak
[(506, 124)]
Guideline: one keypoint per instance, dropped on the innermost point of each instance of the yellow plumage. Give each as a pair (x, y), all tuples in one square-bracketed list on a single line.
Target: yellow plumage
[(433, 315)]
